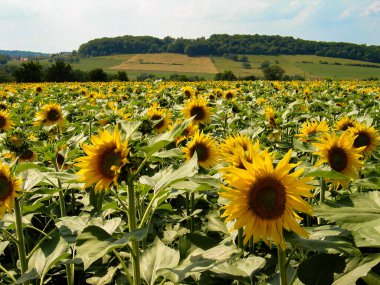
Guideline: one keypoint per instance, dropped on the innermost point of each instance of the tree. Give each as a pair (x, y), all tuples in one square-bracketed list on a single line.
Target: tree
[(264, 64), (121, 76), (273, 72), (97, 75), (226, 75), (29, 72), (60, 72)]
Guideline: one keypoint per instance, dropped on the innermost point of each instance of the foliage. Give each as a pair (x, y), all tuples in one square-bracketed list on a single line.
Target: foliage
[(273, 72)]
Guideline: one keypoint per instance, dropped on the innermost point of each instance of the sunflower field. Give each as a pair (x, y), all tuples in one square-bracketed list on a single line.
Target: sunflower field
[(190, 183)]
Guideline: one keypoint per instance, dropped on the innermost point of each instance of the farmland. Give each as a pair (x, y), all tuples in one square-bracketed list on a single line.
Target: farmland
[(308, 66), (168, 183)]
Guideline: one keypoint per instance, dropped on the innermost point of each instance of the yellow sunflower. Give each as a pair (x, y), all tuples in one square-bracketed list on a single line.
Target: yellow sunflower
[(105, 158), (50, 115), (310, 128), (229, 94), (263, 198), (340, 154), (5, 121), (161, 116), (187, 133), (8, 187), (270, 116), (197, 107), (188, 92), (235, 148), (366, 137), (206, 148), (345, 123)]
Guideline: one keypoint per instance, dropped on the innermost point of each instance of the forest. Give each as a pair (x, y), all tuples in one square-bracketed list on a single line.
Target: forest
[(222, 44)]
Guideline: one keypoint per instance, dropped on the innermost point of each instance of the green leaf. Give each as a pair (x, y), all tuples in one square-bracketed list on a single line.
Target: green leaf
[(94, 242), (160, 141), (215, 224), (328, 239), (242, 267), (201, 260), (3, 245), (129, 127), (31, 177), (331, 174), (157, 258), (50, 252), (103, 277), (360, 214), (372, 183), (319, 269), (357, 267), (169, 176)]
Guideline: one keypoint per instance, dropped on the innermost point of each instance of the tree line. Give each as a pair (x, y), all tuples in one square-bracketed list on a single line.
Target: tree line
[(223, 44)]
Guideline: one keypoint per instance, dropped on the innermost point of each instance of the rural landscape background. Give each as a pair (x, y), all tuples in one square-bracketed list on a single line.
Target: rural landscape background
[(200, 142)]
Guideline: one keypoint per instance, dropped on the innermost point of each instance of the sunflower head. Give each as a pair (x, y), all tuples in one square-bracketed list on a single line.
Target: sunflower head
[(264, 199), (16, 141), (104, 161), (5, 121), (206, 149), (312, 128), (9, 185), (270, 117), (160, 116), (340, 154), (188, 92), (197, 107), (229, 94), (345, 123), (49, 115), (366, 138)]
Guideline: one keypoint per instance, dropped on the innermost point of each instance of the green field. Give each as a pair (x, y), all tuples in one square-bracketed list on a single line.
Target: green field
[(308, 66)]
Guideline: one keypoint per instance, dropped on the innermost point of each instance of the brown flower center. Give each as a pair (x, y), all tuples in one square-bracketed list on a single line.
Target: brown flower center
[(202, 151), (187, 93), (346, 126), (108, 160), (160, 124), (267, 198), (229, 95), (27, 154), (337, 158), (362, 139), (5, 188), (53, 115), (3, 122), (198, 112)]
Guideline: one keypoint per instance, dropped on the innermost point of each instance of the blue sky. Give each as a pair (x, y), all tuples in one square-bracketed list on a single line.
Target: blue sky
[(62, 25)]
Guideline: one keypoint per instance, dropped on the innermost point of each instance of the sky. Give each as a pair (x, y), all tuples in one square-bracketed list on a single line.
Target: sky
[(63, 25)]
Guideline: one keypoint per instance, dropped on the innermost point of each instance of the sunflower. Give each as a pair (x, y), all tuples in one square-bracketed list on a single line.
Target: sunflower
[(366, 137), (5, 121), (27, 155), (229, 94), (235, 148), (197, 107), (263, 199), (161, 116), (345, 123), (188, 92), (187, 133), (49, 115), (312, 128), (9, 185), (270, 116), (340, 154), (206, 148), (105, 158)]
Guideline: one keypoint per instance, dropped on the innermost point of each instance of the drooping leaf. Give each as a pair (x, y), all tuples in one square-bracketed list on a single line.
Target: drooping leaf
[(357, 267), (331, 174), (360, 214), (157, 258), (94, 242)]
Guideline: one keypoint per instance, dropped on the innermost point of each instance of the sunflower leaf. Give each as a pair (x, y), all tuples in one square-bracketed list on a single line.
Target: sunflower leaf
[(331, 174)]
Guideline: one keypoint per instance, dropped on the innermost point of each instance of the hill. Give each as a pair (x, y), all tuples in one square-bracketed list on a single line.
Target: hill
[(308, 66), (20, 53), (222, 44)]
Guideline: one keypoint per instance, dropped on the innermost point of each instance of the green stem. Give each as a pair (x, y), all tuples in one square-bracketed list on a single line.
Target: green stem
[(20, 237), (192, 205), (9, 235), (7, 272), (282, 266), (132, 226), (37, 246), (124, 266), (120, 201), (323, 190)]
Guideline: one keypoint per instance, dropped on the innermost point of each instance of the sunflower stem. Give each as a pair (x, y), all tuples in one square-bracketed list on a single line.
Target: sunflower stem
[(282, 266), (8, 273), (323, 190), (132, 226), (20, 237), (192, 205), (125, 268)]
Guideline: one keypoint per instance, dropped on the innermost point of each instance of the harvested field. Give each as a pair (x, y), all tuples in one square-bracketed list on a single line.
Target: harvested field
[(168, 62)]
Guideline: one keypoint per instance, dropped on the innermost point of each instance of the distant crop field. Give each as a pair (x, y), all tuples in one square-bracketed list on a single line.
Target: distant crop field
[(167, 62)]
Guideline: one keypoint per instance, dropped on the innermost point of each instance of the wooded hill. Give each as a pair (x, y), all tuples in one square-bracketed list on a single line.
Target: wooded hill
[(221, 44)]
